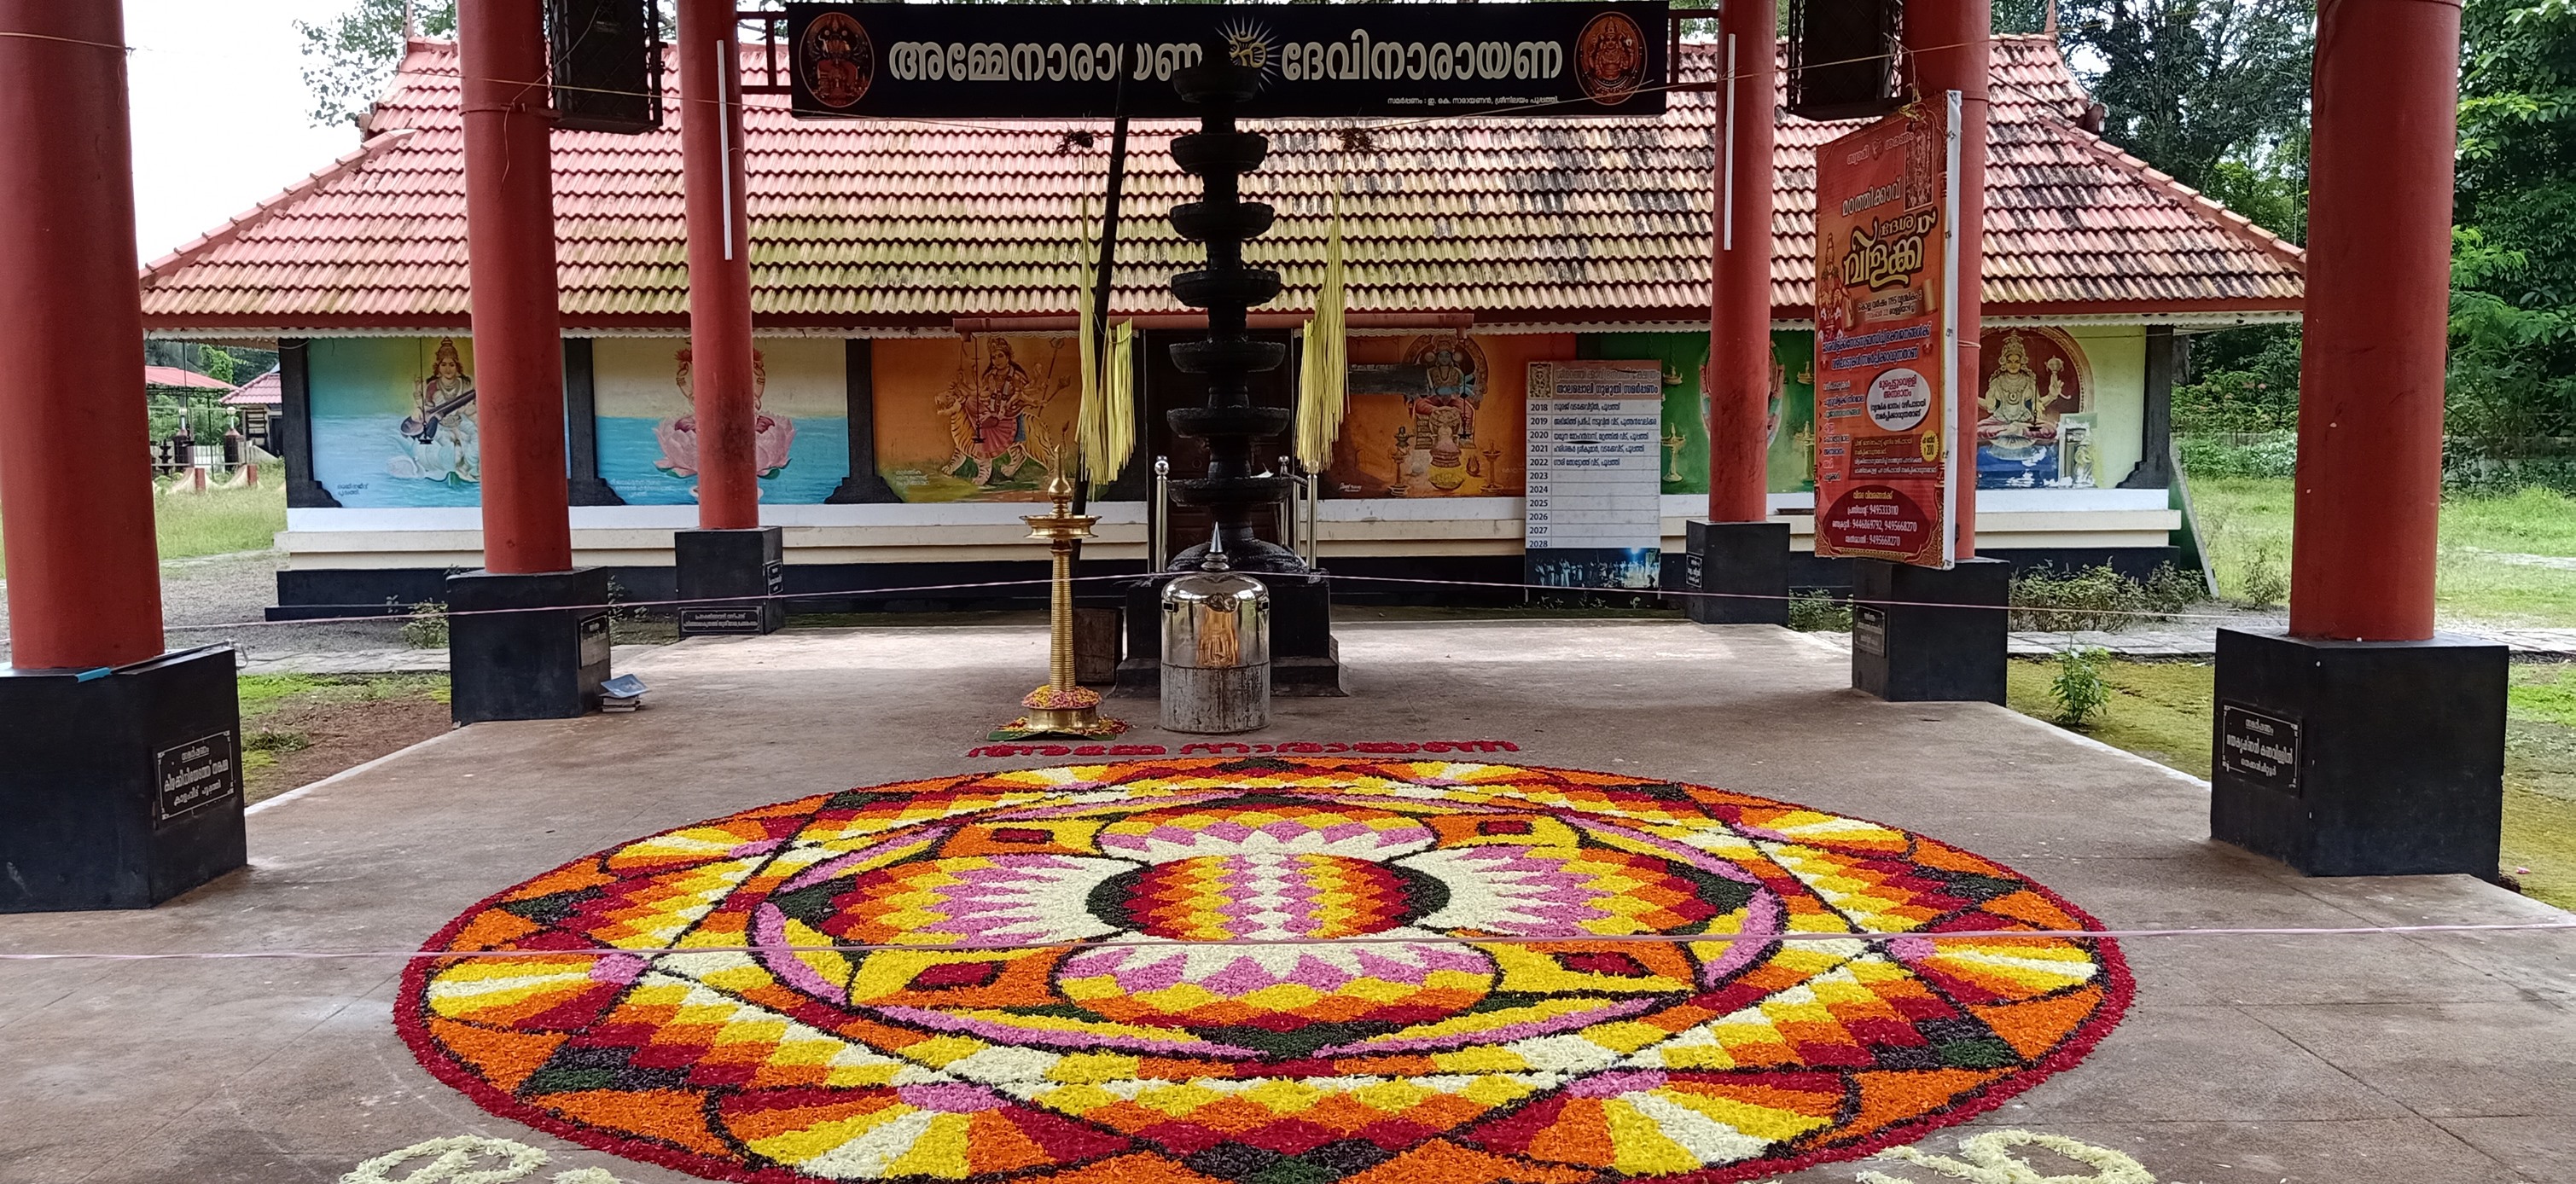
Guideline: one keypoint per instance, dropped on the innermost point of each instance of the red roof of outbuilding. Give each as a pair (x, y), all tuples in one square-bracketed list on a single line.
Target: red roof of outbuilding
[(173, 376), (267, 390), (896, 223)]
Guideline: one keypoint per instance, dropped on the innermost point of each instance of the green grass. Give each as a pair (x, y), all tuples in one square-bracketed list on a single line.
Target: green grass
[(2161, 710), (263, 695), (218, 521), (2245, 519)]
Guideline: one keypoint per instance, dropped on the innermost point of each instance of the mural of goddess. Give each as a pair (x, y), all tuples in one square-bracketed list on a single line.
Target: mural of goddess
[(771, 435), (988, 407), (2020, 410), (1443, 439), (441, 439)]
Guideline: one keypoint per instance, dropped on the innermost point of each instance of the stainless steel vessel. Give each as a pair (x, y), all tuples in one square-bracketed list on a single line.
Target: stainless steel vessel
[(1216, 650)]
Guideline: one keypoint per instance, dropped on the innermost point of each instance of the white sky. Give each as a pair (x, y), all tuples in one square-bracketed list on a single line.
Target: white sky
[(219, 111)]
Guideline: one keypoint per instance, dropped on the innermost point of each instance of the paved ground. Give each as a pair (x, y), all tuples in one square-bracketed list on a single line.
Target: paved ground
[(2371, 1060), (220, 598)]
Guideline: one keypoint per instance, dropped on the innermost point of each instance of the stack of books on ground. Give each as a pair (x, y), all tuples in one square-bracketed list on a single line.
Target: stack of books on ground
[(622, 693)]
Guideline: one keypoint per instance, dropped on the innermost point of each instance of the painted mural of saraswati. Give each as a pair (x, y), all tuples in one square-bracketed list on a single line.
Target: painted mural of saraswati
[(441, 439), (772, 435), (989, 406)]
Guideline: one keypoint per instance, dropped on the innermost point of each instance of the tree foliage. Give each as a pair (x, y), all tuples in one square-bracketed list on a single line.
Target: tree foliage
[(349, 58), (2513, 269), (2191, 84)]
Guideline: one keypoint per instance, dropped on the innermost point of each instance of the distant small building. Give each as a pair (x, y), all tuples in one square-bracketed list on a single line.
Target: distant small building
[(256, 403), (913, 289)]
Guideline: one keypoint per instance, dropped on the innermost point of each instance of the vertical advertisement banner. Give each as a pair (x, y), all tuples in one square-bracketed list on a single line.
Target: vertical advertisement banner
[(1887, 339)]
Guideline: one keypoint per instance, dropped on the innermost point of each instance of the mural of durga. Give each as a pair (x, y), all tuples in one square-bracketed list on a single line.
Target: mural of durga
[(988, 408), (771, 434)]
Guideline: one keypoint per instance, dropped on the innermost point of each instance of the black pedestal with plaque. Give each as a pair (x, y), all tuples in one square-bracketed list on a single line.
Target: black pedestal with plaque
[(1746, 564), (2360, 758), (119, 789), (526, 646), (1924, 635), (1304, 658), (715, 564)]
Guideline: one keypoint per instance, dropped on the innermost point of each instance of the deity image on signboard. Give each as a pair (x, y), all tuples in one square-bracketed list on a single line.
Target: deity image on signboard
[(1610, 58), (2028, 380), (958, 421), (839, 60), (441, 440), (772, 435)]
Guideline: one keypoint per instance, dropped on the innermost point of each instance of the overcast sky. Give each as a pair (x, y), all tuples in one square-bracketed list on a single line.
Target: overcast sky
[(219, 111)]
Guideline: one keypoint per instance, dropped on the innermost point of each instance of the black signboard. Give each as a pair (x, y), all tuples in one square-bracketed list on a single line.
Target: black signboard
[(1062, 61), (699, 619), (2259, 749), (199, 775)]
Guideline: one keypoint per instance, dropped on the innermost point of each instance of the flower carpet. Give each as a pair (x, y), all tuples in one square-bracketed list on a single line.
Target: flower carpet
[(1278, 970)]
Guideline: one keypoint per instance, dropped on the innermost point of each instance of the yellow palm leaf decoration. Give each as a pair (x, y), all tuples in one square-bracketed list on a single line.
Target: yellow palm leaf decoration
[(1105, 424), (1324, 376)]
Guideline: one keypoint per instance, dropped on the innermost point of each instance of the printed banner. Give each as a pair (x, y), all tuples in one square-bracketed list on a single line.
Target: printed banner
[(1887, 340), (1321, 60)]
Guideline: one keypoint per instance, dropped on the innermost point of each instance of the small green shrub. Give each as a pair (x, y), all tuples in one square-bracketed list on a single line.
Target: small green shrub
[(2044, 600), (2078, 687), (425, 628), (1819, 612), (2264, 584), (273, 741)]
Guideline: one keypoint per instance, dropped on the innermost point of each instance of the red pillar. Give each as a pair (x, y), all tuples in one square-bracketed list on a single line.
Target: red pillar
[(1949, 42), (75, 478), (510, 252), (711, 161), (2370, 368), (1739, 328)]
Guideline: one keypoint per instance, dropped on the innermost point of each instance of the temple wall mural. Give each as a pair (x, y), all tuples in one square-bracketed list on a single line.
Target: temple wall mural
[(1439, 414), (395, 422), (648, 446), (974, 418), (1791, 424)]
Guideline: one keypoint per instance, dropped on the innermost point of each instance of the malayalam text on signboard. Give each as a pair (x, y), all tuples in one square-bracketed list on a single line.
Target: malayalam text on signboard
[(1316, 60), (1887, 340)]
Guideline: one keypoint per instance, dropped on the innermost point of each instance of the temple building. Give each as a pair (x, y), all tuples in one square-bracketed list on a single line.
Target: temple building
[(914, 288)]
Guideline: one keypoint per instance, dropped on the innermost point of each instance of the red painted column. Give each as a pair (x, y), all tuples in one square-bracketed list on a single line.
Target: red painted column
[(510, 253), (711, 162), (1949, 42), (2370, 368), (75, 478), (1739, 328)]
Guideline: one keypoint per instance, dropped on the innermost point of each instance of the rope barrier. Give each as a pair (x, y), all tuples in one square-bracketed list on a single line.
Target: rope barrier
[(784, 597), (875, 592), (1871, 936)]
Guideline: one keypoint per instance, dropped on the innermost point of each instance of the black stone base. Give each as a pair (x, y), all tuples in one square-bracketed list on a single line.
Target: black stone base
[(122, 789), (713, 564), (1304, 658), (1907, 650), (1746, 563), (543, 663), (2352, 758)]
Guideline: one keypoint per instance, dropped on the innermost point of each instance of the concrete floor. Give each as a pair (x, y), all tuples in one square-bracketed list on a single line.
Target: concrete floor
[(2358, 1060)]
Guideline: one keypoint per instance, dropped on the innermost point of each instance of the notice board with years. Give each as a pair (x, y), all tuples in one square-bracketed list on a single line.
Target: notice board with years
[(1595, 501)]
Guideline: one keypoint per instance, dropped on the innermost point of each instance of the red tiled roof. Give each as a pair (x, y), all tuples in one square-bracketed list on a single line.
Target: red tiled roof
[(173, 376), (889, 223), (267, 390)]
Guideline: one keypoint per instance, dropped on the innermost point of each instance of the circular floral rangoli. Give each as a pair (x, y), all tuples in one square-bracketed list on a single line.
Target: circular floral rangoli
[(1249, 973)]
